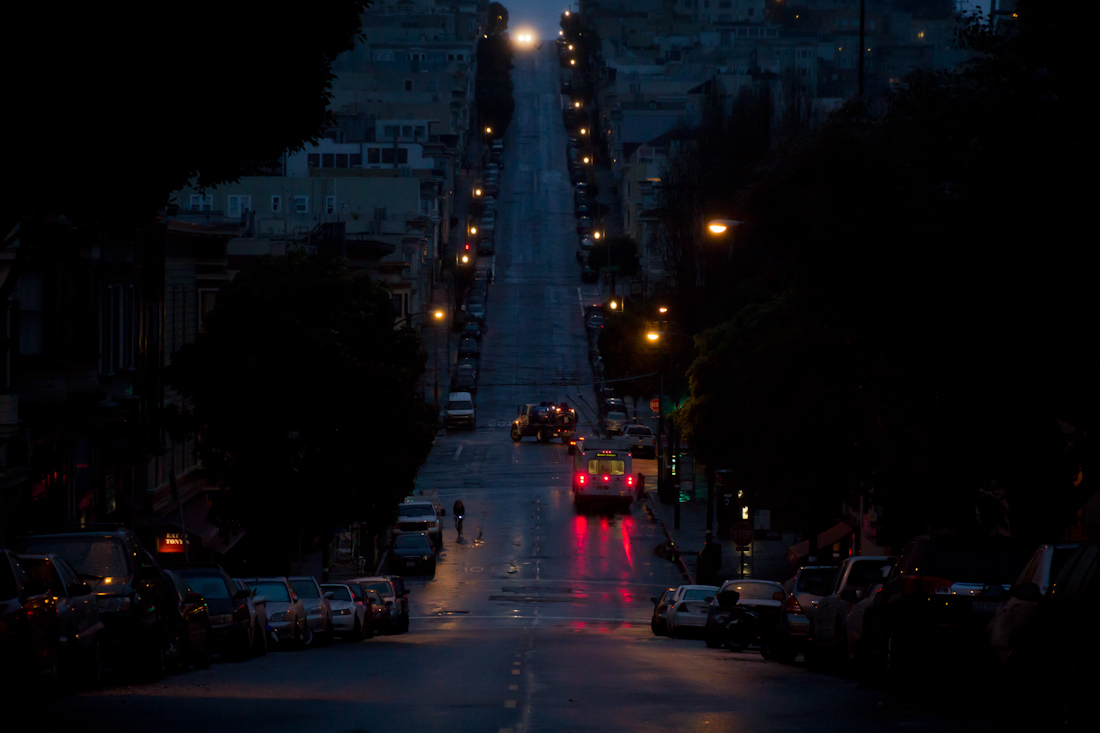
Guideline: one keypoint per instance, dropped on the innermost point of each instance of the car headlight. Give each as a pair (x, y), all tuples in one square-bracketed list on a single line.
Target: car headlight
[(342, 612), (222, 618), (114, 604), (278, 617)]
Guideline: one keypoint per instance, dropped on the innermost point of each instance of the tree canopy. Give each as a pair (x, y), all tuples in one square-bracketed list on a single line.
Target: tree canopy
[(913, 298), (305, 398), (121, 105)]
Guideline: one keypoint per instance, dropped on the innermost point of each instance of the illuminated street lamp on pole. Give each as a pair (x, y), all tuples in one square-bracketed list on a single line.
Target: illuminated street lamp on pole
[(721, 226), (657, 336)]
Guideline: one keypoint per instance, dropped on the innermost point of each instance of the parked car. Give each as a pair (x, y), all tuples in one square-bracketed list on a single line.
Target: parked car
[(190, 643), (828, 634), (286, 614), (29, 635), (611, 404), (318, 612), (395, 598), (378, 613), (689, 607), (231, 624), (420, 515), (349, 614), (764, 597), (589, 275), (485, 243), (811, 584), (413, 552), (463, 382), (79, 627), (472, 329), (584, 225), (133, 594), (263, 636), (1051, 662), (459, 410), (469, 347), (1014, 614), (659, 621), (937, 602), (642, 440), (854, 622)]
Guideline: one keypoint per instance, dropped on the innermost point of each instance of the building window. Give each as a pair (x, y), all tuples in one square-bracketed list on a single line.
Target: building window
[(388, 156), (239, 205), (330, 205), (326, 160), (390, 131), (202, 203), (207, 298), (276, 204), (355, 160), (31, 306), (341, 160), (313, 160), (301, 204), (373, 156), (406, 131), (408, 85), (116, 328)]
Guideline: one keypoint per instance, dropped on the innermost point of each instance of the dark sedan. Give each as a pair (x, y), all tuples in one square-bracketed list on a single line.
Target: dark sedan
[(230, 621), (190, 643), (413, 553), (469, 347), (78, 624), (28, 627)]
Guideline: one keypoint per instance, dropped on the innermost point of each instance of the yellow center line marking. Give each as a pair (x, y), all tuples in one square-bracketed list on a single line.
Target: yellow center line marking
[(515, 671), (516, 664), (513, 688)]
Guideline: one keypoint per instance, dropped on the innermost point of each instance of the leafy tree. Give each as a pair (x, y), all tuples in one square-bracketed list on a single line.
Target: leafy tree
[(913, 294), (498, 19), (305, 399), (628, 355), (134, 103)]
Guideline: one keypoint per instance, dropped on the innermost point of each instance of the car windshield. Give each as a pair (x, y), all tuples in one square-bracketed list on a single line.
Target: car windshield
[(339, 592), (754, 591), (460, 405), (699, 594), (273, 590), (211, 587), (381, 587), (305, 588), (414, 510), (865, 572), (639, 430), (373, 596), (42, 570), (608, 466), (411, 541), (94, 558), (815, 581)]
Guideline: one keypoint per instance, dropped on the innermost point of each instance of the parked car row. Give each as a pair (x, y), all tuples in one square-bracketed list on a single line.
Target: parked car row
[(946, 609), (78, 600)]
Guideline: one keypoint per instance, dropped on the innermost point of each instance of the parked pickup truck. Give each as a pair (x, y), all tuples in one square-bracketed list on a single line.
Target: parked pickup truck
[(642, 441), (545, 420)]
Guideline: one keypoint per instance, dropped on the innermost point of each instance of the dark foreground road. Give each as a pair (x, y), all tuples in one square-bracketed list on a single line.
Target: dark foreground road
[(540, 620)]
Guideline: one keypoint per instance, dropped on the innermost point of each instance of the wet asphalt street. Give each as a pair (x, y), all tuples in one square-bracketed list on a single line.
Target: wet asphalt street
[(540, 620)]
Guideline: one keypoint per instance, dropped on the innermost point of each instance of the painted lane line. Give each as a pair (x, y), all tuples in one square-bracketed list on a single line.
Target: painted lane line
[(509, 703), (458, 452), (515, 671), (513, 688)]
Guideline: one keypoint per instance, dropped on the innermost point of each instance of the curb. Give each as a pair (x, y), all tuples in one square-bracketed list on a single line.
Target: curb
[(679, 560)]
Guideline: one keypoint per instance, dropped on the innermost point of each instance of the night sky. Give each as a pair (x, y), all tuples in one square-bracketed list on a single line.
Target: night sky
[(538, 16)]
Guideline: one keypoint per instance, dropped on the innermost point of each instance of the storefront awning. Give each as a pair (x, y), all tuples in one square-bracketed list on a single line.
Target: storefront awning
[(828, 538)]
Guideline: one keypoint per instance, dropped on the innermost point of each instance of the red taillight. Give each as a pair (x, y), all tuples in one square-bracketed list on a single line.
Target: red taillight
[(629, 480), (467, 246), (606, 479), (793, 606), (580, 478)]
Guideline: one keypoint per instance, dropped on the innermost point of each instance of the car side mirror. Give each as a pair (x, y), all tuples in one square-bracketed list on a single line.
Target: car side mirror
[(293, 597), (195, 598), (241, 595), (849, 595), (1027, 592), (78, 589)]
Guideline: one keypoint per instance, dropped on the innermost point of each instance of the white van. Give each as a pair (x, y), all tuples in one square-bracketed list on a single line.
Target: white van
[(603, 472), (460, 411)]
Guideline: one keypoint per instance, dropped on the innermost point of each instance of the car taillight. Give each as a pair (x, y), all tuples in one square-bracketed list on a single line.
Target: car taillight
[(629, 480), (580, 478), (606, 479), (916, 584), (793, 606)]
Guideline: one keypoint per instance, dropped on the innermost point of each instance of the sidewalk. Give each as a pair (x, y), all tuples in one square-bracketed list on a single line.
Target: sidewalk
[(765, 559)]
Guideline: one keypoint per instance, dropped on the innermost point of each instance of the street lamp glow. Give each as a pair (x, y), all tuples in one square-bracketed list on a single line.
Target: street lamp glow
[(577, 105), (653, 335), (438, 315), (572, 62), (662, 309), (584, 131), (586, 160), (595, 235), (473, 230), (477, 192), (614, 305), (570, 46), (465, 259), (719, 226), (488, 131)]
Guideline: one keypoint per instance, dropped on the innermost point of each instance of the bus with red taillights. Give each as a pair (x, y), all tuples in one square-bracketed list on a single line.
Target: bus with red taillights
[(603, 474)]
